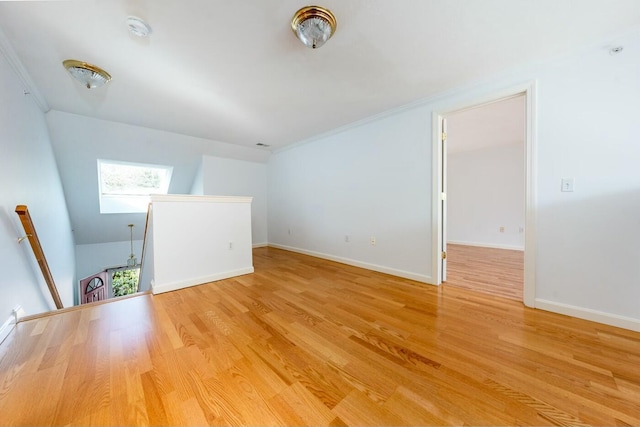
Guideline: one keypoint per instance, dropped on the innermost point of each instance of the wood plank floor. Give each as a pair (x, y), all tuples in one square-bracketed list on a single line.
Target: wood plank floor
[(304, 341), (493, 271)]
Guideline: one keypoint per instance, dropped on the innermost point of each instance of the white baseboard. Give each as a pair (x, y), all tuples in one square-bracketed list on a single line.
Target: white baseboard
[(588, 314), (7, 327), (174, 286), (260, 245), (486, 245), (374, 267)]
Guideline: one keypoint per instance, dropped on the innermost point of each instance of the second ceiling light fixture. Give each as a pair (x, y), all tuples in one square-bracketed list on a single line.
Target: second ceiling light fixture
[(313, 25)]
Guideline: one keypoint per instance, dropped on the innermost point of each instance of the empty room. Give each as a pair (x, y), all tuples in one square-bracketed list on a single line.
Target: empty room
[(344, 213)]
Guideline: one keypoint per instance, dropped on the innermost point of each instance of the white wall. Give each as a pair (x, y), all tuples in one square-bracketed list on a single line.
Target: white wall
[(78, 141), (197, 188), (485, 191), (199, 239), (29, 176), (369, 181), (229, 177), (96, 257), (375, 179), (589, 240)]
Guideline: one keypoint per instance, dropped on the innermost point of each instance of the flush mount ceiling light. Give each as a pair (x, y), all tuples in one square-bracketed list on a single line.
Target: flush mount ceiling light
[(89, 75), (138, 27), (313, 25)]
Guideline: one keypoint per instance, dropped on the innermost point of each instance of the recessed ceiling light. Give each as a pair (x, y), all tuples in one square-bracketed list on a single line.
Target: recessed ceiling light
[(138, 27)]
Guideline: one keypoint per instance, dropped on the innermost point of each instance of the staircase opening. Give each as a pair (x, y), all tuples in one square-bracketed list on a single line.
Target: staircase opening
[(110, 283)]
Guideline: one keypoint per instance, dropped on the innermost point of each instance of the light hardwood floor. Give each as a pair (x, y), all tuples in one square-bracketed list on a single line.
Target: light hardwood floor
[(304, 341), (493, 271)]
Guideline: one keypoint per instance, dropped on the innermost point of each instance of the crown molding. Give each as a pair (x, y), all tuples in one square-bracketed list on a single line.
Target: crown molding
[(29, 86)]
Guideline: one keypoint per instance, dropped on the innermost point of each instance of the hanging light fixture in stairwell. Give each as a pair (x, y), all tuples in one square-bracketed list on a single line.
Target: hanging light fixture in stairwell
[(132, 261)]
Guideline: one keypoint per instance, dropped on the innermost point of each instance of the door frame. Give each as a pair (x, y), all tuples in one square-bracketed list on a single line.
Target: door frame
[(530, 165)]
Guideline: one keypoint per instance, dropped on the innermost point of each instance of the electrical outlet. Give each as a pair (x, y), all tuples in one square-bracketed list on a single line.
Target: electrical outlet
[(502, 229), (373, 241), (346, 238), (230, 245)]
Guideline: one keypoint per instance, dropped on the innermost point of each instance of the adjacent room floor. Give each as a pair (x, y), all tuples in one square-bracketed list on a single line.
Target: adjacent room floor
[(492, 271), (304, 341)]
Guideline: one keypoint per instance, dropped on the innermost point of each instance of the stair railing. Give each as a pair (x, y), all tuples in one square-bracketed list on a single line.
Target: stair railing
[(144, 245), (29, 228)]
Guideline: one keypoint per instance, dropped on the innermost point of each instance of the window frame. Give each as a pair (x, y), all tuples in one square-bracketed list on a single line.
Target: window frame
[(114, 203)]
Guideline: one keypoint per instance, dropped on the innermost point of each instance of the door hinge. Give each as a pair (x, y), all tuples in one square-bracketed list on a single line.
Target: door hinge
[(444, 255), (444, 136)]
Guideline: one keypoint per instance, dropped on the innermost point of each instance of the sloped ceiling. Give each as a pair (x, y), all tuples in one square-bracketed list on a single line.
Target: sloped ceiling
[(231, 72)]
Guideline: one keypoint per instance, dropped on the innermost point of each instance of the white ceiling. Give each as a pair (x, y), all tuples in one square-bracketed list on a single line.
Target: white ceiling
[(232, 72)]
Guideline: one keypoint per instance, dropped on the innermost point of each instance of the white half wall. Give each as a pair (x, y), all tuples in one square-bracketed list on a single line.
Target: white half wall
[(198, 239), (230, 177), (29, 176), (485, 191)]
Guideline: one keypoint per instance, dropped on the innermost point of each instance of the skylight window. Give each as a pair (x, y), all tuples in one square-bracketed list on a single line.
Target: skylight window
[(125, 187)]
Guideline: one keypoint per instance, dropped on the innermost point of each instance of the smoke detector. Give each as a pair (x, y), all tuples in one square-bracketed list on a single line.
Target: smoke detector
[(138, 27)]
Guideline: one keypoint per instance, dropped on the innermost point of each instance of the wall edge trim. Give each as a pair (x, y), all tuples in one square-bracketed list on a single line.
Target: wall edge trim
[(6, 328), (174, 286), (6, 49), (589, 314), (486, 245), (355, 263)]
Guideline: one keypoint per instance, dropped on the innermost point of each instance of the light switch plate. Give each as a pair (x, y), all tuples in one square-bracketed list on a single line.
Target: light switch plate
[(567, 185)]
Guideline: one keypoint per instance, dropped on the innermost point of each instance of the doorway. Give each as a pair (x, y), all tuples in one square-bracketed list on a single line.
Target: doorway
[(110, 283), (482, 230), (94, 288), (123, 281)]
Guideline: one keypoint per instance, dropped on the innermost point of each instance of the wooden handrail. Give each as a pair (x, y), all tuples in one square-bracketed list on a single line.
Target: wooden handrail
[(144, 245), (29, 228)]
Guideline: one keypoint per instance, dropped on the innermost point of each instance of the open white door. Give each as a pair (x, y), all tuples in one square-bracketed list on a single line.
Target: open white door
[(439, 187), (443, 196)]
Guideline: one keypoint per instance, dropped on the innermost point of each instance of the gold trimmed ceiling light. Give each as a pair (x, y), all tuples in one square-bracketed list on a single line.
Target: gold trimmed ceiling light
[(89, 75), (313, 25)]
